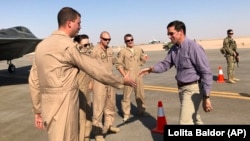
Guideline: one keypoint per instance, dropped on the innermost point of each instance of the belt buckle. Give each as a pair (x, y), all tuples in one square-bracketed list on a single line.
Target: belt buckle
[(180, 84)]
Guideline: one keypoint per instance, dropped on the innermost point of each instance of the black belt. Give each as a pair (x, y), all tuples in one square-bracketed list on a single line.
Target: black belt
[(180, 84)]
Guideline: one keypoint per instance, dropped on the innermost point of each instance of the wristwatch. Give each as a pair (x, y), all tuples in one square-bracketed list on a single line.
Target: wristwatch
[(205, 96)]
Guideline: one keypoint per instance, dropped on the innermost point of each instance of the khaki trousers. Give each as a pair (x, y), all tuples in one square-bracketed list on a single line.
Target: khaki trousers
[(60, 113), (85, 113), (139, 95), (190, 99), (103, 106)]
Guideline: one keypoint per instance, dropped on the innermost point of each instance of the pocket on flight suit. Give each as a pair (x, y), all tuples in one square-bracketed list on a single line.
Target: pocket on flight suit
[(51, 102)]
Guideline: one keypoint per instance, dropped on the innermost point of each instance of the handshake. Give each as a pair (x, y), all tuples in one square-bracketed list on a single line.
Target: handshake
[(128, 80), (145, 71)]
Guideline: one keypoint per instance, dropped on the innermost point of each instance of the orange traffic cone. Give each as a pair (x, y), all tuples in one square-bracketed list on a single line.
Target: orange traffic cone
[(161, 120), (220, 76)]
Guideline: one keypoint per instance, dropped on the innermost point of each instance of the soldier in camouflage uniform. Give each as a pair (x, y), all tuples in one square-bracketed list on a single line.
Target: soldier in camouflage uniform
[(230, 47), (129, 60), (85, 86)]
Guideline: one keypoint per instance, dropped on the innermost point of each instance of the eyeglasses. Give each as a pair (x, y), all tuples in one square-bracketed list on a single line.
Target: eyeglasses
[(171, 33), (86, 45), (131, 40), (106, 39), (231, 33)]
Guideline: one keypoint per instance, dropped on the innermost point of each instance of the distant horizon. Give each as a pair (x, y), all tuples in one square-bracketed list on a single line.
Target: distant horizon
[(160, 42)]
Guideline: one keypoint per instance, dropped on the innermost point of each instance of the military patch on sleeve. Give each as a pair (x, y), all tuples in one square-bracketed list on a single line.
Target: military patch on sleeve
[(80, 48)]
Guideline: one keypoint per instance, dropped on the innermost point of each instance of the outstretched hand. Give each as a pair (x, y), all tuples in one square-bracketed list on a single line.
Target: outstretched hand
[(145, 72), (129, 81)]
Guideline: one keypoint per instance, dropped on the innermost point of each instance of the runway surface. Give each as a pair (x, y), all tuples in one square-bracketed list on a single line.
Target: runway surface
[(231, 102)]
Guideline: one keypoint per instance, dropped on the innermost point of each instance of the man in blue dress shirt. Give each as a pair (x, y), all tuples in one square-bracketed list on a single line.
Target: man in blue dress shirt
[(194, 76)]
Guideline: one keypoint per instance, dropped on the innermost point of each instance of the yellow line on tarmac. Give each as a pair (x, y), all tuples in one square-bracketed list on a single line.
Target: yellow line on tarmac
[(213, 93)]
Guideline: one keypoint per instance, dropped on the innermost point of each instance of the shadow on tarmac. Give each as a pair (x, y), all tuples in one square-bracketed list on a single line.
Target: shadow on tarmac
[(20, 76), (149, 122), (245, 94)]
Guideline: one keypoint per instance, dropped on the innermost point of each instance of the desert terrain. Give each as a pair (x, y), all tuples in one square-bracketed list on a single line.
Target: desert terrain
[(242, 42)]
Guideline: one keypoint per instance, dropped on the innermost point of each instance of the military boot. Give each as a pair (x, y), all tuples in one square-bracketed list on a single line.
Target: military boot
[(111, 129), (126, 117), (86, 139), (236, 79), (231, 81), (230, 78), (99, 138)]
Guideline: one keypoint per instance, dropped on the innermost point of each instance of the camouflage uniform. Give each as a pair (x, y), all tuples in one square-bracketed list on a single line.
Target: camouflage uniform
[(230, 47), (131, 62)]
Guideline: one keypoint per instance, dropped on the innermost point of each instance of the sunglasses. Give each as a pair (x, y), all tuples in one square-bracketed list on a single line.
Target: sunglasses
[(86, 45), (131, 40), (231, 33), (106, 39), (171, 33)]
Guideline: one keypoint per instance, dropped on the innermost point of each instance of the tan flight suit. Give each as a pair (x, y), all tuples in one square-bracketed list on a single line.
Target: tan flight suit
[(85, 102), (103, 95), (132, 62), (230, 46), (53, 84)]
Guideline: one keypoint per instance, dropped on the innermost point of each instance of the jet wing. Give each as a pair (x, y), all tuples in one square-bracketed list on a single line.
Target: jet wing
[(16, 42), (12, 48)]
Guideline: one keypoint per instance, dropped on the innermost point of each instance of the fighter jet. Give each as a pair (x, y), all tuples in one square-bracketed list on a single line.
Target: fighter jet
[(16, 42)]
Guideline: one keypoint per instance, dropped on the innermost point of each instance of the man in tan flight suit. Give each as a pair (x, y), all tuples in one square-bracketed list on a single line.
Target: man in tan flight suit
[(103, 95), (85, 97), (130, 59), (53, 78)]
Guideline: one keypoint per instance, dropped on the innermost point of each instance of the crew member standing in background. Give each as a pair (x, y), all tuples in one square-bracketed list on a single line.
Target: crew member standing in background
[(230, 46), (129, 60), (85, 86), (103, 95)]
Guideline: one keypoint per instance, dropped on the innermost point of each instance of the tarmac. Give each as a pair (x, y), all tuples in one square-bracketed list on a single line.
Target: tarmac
[(231, 102)]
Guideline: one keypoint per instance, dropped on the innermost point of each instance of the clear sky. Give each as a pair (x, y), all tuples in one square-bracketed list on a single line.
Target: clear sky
[(145, 19)]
